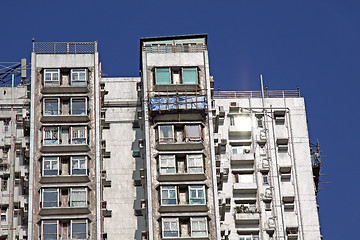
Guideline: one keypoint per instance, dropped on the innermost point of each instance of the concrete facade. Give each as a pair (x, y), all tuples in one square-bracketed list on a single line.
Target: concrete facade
[(266, 182), (160, 156), (64, 187), (14, 157)]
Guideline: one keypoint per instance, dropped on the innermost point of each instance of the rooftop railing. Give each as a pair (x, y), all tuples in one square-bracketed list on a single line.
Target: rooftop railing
[(64, 47), (257, 94), (169, 48)]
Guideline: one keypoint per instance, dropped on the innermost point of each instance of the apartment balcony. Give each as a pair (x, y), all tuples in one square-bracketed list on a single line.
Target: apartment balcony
[(65, 119), (183, 208), (247, 217), (64, 211), (4, 197), (177, 87), (62, 148), (244, 187), (180, 146), (65, 179), (243, 158), (68, 90), (178, 103), (176, 177)]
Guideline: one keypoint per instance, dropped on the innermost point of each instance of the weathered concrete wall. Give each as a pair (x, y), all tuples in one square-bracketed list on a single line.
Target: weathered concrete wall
[(295, 160), (122, 168)]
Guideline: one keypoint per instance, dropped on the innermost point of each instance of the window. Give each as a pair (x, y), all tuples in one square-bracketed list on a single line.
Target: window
[(192, 133), (50, 197), (199, 227), (51, 135), (3, 214), (197, 194), (166, 134), (78, 165), (78, 229), (170, 227), (51, 77), (195, 163), (168, 195), (78, 77), (265, 179), (189, 76), (6, 125), (244, 177), (163, 75), (50, 166), (78, 135), (78, 197), (50, 230), (5, 155), (240, 149), (241, 122), (4, 183), (51, 106), (249, 237), (78, 106), (167, 164)]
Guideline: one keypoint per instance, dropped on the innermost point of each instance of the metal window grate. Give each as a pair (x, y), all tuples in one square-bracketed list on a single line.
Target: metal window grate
[(64, 47)]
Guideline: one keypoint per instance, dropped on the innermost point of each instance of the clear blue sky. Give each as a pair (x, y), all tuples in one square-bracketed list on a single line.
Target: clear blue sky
[(313, 43)]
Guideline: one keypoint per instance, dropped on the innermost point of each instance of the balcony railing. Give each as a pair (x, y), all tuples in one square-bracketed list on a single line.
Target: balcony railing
[(257, 94), (169, 48), (64, 47), (168, 103)]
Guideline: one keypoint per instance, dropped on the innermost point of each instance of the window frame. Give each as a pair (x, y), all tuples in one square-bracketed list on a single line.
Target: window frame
[(77, 99), (50, 222), (79, 221), (196, 74), (199, 220), (58, 106), (52, 129), (3, 217), (249, 237), (197, 189), (192, 138), (238, 174), (240, 149), (78, 129), (164, 139), (77, 71), (51, 165), (78, 189), (170, 220), (167, 158), (52, 72), (54, 190), (167, 188), (170, 75), (265, 179), (77, 158), (196, 158)]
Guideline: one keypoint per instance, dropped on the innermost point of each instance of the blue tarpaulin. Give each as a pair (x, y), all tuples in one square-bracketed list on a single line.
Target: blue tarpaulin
[(171, 103)]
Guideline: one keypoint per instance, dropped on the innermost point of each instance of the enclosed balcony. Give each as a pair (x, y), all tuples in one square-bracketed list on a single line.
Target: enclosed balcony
[(64, 201), (181, 166), (179, 136)]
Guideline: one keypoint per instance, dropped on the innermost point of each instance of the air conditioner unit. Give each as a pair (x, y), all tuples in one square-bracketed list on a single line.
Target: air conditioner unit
[(247, 151)]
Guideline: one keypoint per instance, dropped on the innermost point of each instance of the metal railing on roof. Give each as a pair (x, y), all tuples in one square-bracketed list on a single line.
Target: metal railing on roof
[(64, 47), (257, 94), (170, 48)]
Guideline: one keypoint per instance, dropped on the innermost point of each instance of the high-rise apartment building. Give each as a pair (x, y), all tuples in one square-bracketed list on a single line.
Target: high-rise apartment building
[(160, 156), (14, 157)]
